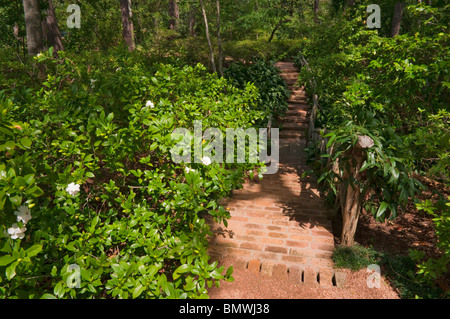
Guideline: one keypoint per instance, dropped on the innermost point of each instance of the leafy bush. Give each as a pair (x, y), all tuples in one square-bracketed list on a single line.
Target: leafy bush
[(249, 50), (431, 270), (273, 92), (88, 186), (394, 90)]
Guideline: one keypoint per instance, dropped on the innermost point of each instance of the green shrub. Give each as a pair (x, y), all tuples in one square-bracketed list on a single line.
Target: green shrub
[(86, 154), (273, 92), (249, 50)]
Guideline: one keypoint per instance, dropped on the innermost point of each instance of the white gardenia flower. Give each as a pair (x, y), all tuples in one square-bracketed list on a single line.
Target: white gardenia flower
[(188, 170), (150, 104), (206, 160), (16, 232), (23, 214), (73, 189)]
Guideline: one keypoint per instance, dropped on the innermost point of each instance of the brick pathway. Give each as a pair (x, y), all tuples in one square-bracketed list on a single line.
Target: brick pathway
[(279, 225)]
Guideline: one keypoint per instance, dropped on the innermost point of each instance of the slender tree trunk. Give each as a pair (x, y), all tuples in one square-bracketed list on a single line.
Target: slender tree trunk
[(33, 26), (174, 13), (192, 21), (127, 23), (219, 40), (211, 52), (397, 18), (316, 11), (53, 33), (279, 24)]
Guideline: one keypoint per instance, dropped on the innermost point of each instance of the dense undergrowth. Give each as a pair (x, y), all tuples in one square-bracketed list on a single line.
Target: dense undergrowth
[(90, 196), (395, 91)]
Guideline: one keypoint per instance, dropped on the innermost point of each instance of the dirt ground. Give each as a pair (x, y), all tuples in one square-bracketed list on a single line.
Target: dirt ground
[(411, 230)]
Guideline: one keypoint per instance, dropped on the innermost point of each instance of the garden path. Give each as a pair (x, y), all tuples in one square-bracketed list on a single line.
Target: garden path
[(279, 226)]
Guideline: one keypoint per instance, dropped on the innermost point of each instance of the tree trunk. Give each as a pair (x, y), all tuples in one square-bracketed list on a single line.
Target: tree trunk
[(279, 24), (219, 40), (33, 26), (53, 33), (174, 13), (351, 198), (211, 52), (397, 18), (192, 21), (316, 11), (127, 23)]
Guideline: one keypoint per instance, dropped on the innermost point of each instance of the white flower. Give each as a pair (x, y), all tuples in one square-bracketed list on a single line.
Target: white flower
[(23, 214), (150, 104), (16, 232), (39, 55), (118, 69), (206, 160), (92, 83), (188, 170), (73, 189)]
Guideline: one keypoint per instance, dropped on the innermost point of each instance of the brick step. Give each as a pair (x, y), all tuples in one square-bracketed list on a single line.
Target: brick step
[(291, 75), (292, 134), (294, 119), (285, 65), (295, 126), (297, 96), (301, 100), (298, 106), (298, 112)]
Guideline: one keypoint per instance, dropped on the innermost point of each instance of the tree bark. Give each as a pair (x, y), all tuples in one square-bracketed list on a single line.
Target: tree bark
[(211, 52), (351, 198), (192, 21), (316, 11), (127, 23), (397, 18), (174, 13), (219, 40), (53, 32), (33, 26)]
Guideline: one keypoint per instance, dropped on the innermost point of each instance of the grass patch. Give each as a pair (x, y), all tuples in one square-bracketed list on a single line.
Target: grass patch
[(355, 257)]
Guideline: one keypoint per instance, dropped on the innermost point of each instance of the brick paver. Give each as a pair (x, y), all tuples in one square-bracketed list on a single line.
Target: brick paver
[(279, 225)]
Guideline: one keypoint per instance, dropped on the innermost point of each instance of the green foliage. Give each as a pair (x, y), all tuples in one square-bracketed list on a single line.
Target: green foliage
[(391, 89), (431, 269), (385, 178), (273, 93), (401, 273), (249, 50), (136, 227)]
